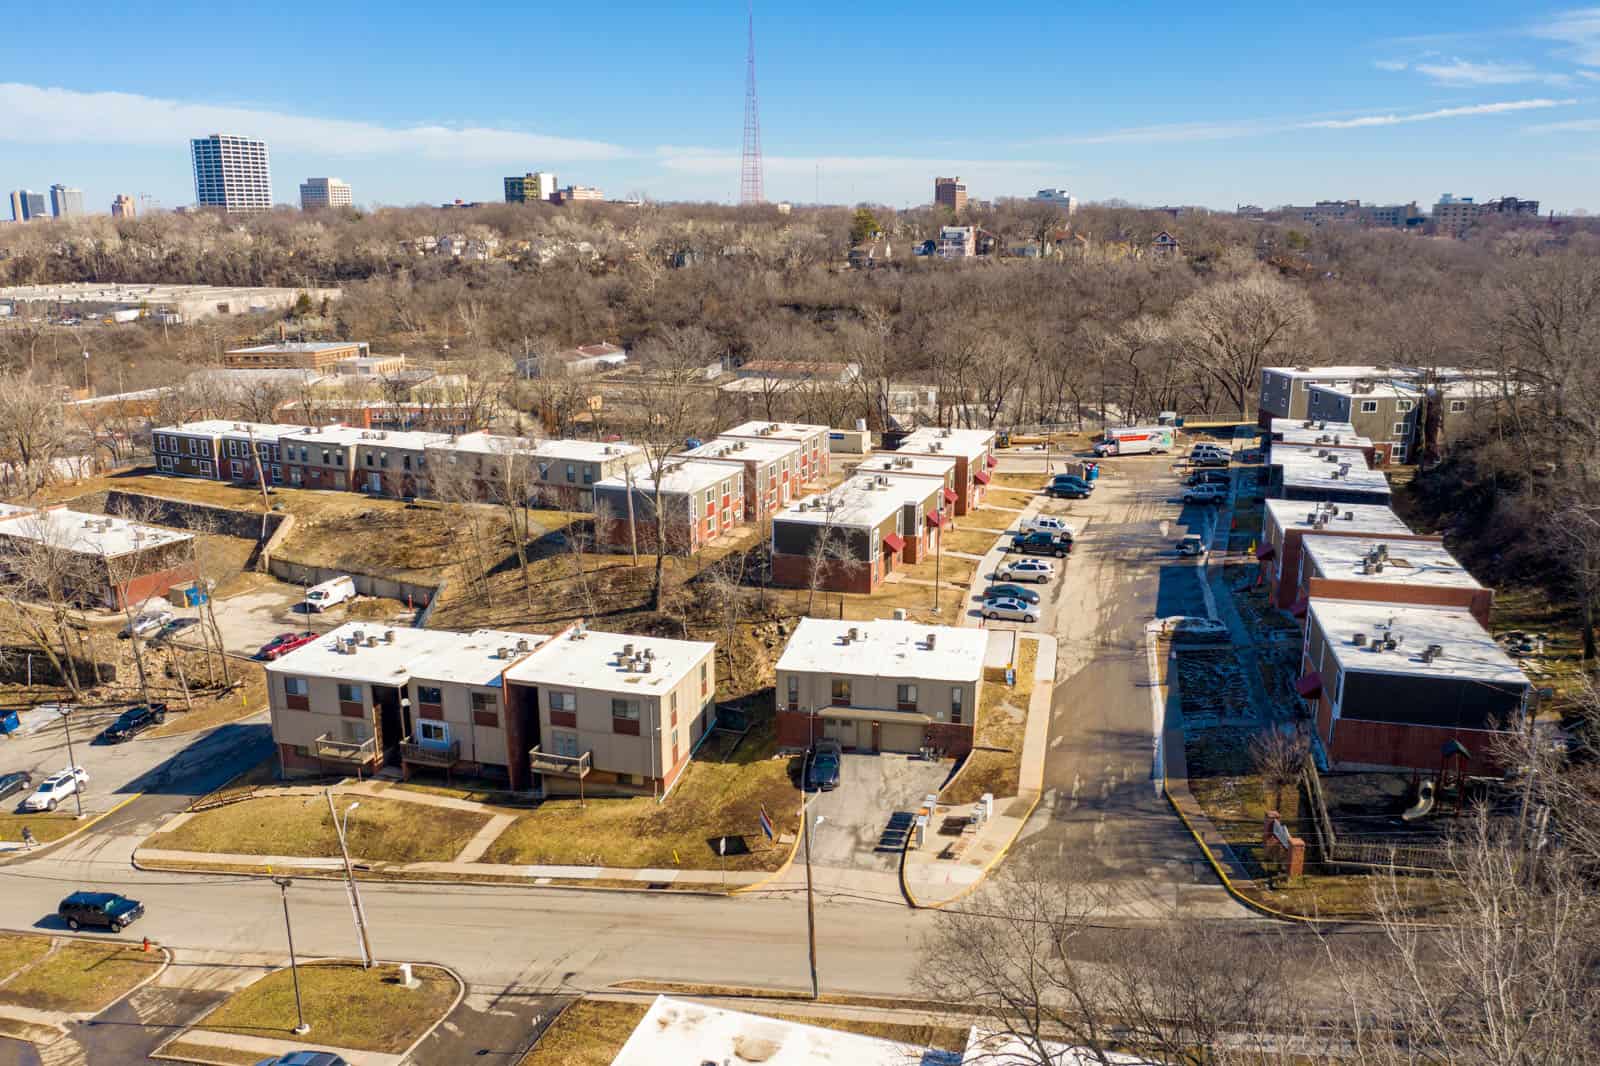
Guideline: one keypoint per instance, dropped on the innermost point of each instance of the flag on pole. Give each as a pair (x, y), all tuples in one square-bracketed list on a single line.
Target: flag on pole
[(766, 825)]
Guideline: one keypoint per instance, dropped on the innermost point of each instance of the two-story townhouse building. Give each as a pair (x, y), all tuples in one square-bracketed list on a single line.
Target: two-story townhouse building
[(1389, 413), (394, 463), (1328, 475), (815, 456), (851, 537), (249, 446), (1404, 687), (944, 469), (973, 451), (880, 686), (1320, 434), (771, 470), (1286, 390), (615, 713), (1383, 570), (321, 457), (696, 503), (1286, 523), (566, 471), (192, 449)]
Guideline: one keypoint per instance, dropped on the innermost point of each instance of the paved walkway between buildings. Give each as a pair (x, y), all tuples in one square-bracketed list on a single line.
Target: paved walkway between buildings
[(934, 882), (277, 1045)]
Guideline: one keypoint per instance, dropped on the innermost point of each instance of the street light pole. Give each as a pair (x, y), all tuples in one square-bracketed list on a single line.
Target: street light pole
[(350, 879), (301, 1028), (72, 760), (811, 912)]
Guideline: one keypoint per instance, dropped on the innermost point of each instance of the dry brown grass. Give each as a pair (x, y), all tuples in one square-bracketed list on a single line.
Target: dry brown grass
[(995, 764), (587, 1033), (80, 976), (975, 541), (246, 699)]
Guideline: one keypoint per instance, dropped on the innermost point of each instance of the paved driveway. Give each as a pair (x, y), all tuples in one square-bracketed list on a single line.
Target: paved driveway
[(250, 619), (856, 831)]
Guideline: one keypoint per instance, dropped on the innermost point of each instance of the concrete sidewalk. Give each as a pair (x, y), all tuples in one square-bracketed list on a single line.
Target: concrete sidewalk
[(270, 1046), (930, 881)]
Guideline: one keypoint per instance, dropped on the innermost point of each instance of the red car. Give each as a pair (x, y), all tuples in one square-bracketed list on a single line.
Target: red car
[(284, 643)]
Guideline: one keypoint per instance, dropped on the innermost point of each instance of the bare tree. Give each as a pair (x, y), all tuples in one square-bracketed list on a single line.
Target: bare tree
[(1227, 331), (33, 432), (1278, 757)]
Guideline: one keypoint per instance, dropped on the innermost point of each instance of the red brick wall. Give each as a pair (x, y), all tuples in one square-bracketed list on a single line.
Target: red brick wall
[(154, 584), (1288, 588), (955, 740), (681, 537), (1409, 746), (293, 763), (794, 572), (1478, 601)]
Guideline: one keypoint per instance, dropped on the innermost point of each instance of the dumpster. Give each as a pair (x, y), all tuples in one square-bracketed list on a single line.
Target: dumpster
[(10, 722), (194, 596)]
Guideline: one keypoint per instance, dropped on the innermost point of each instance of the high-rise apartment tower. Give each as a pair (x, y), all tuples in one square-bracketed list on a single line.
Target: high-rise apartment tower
[(231, 173)]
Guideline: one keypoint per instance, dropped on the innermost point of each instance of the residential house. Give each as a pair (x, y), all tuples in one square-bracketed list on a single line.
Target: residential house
[(1298, 472), (322, 457), (771, 470), (1415, 570), (696, 502), (869, 254), (1406, 687), (1285, 523), (616, 713), (251, 451), (219, 449), (813, 440), (851, 537), (956, 242), (1165, 246), (394, 463), (973, 451), (99, 560)]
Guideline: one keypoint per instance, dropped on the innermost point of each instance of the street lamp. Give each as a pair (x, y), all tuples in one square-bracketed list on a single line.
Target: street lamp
[(301, 1028), (360, 916), (811, 912), (72, 761)]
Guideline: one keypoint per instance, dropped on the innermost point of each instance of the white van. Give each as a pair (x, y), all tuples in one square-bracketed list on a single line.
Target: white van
[(335, 590)]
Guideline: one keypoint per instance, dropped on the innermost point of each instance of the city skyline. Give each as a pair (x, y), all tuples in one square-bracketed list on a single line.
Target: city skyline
[(1205, 115)]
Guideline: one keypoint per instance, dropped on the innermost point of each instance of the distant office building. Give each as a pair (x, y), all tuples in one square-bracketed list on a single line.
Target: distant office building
[(19, 213), (318, 193), (951, 193), (123, 206), (575, 193), (27, 205), (1354, 212), (531, 188), (1057, 198), (65, 202), (231, 173)]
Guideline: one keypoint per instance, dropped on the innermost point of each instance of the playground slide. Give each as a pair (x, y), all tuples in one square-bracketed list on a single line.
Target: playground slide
[(1424, 804)]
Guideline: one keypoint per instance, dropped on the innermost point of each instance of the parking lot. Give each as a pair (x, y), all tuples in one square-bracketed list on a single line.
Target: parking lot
[(864, 819), (250, 619)]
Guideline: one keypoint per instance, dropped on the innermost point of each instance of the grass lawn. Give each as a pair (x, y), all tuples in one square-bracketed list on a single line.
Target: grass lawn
[(917, 600), (945, 1037), (346, 1006), (711, 799), (1021, 481), (187, 1051), (219, 709), (46, 827), (382, 830), (18, 950), (1002, 497), (970, 540), (81, 976), (995, 764), (989, 518), (951, 568), (1533, 610), (587, 1033)]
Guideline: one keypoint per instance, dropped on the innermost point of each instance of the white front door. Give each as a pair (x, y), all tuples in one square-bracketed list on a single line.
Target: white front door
[(374, 482)]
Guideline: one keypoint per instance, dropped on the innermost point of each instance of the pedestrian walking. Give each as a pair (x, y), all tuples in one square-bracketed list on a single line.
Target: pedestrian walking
[(27, 838)]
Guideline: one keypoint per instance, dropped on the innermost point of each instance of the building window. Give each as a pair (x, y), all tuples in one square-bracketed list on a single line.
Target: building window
[(572, 473), (1403, 405), (563, 701), (238, 468), (349, 693), (1369, 407), (955, 705), (1399, 429), (484, 701), (429, 694), (205, 466), (905, 697), (841, 692), (625, 710), (1457, 406), (369, 459), (436, 732), (672, 705), (296, 686), (565, 744), (703, 679), (165, 462), (794, 693)]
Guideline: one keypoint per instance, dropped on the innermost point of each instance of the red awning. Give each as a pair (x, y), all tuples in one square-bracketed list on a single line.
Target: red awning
[(1301, 606), (993, 462), (894, 542), (982, 477), (949, 495), (1309, 686), (1265, 552), (936, 520)]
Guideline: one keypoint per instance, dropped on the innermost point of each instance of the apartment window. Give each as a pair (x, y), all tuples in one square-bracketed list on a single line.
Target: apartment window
[(429, 694), (327, 458), (238, 468), (674, 747), (905, 697), (277, 474), (1403, 405), (1399, 429), (369, 459), (205, 466), (296, 686), (572, 473), (841, 692), (405, 462), (544, 471), (383, 460), (563, 701), (294, 475), (484, 701), (588, 475), (437, 732), (626, 710), (164, 461), (672, 705), (1457, 406), (1369, 407), (485, 710), (703, 679), (794, 693), (955, 705), (349, 693)]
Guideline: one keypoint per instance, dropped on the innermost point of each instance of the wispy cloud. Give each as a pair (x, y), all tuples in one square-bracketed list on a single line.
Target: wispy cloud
[(35, 114), (1390, 64), (1577, 125), (1464, 73), (1473, 110), (1578, 31)]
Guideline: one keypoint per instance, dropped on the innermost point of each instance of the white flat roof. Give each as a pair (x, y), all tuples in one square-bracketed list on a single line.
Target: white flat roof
[(337, 435), (1398, 389), (1468, 649), (223, 427), (86, 534), (886, 648), (1003, 1049), (594, 661), (676, 1032), (389, 663), (1316, 425), (765, 450), (895, 463), (968, 443), (482, 443), (473, 658), (690, 475), (1352, 372), (1406, 562), (1363, 517), (796, 431), (408, 439), (859, 501), (587, 451), (297, 346), (1304, 469)]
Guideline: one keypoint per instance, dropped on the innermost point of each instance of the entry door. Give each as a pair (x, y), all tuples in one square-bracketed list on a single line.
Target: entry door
[(374, 482)]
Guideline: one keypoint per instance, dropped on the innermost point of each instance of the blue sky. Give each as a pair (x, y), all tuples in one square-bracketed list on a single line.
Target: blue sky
[(1156, 103)]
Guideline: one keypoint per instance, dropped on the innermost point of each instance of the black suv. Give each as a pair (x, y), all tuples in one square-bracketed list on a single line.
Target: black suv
[(822, 769), (1041, 542), (107, 909), (1209, 477), (133, 721)]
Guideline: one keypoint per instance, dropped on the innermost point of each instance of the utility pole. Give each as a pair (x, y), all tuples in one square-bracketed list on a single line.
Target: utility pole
[(301, 1028), (72, 762), (350, 879), (811, 911)]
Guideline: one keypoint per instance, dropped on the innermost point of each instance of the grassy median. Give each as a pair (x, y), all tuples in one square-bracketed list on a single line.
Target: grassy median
[(46, 827), (78, 976)]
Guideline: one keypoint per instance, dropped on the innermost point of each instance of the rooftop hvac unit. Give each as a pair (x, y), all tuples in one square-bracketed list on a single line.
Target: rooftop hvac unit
[(388, 636), (649, 653), (1432, 652), (854, 633), (1349, 516), (627, 651), (931, 638), (502, 653), (645, 666), (522, 645), (1344, 469), (1359, 640), (1382, 550), (372, 642)]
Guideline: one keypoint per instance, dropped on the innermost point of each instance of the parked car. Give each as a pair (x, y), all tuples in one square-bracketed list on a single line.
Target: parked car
[(1026, 570), (1209, 477), (133, 721), (15, 781), (1069, 486), (1199, 631), (330, 592), (1206, 494), (1010, 610), (822, 768), (1193, 544), (1212, 459), (55, 788), (305, 1058), (1011, 592), (1048, 524), (147, 623), (284, 643), (108, 909), (1041, 543)]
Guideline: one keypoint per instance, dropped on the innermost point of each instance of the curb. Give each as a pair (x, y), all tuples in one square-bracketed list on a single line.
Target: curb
[(16, 856), (983, 874)]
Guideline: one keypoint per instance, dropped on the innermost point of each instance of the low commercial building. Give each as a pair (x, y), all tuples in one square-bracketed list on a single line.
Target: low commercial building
[(697, 502), (771, 470), (374, 366), (813, 441), (170, 303), (574, 362), (615, 713), (94, 560), (1410, 688), (851, 537), (973, 451), (321, 356), (1286, 523), (1383, 570), (880, 686), (1298, 472), (394, 463), (322, 457)]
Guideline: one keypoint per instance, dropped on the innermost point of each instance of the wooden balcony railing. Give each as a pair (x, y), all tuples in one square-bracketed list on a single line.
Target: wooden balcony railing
[(351, 751), (430, 753), (546, 762)]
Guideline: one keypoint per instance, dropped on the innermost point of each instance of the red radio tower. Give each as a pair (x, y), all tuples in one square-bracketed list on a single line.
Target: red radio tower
[(750, 167)]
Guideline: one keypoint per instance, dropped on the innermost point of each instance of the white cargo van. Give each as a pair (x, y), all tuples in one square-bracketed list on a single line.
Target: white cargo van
[(334, 590)]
